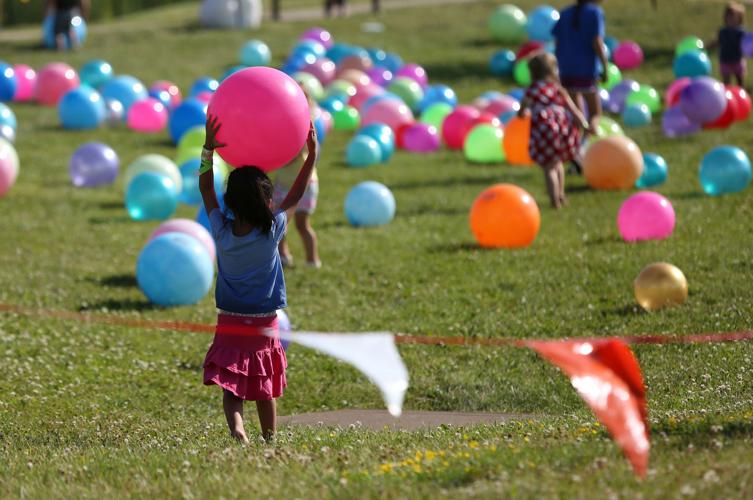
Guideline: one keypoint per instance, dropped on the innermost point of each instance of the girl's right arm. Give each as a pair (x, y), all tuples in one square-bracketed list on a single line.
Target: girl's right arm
[(299, 186), (601, 53), (206, 173), (525, 103)]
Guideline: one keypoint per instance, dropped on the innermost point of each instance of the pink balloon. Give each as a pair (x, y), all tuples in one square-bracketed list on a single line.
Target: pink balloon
[(364, 95), (264, 115), (646, 216), (501, 104), (672, 96), (323, 69), (359, 62), (393, 113), (415, 72), (203, 96), (328, 121), (457, 125), (175, 96), (147, 115), (8, 168), (318, 35), (189, 227), (628, 55), (420, 138), (53, 82), (26, 83), (380, 75)]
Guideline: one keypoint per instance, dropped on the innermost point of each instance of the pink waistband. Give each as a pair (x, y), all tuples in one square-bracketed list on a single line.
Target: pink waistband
[(228, 324)]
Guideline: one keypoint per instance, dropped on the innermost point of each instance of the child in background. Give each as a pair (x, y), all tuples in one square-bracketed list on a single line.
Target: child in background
[(729, 40), (246, 358), (555, 118), (64, 11)]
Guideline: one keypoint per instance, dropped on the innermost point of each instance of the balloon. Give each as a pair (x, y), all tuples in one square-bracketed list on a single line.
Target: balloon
[(703, 101), (174, 269), (378, 56), (147, 115), (305, 46), (516, 138), (502, 62), (9, 166), (369, 204), (438, 93), (361, 62), (614, 76), (346, 118), (8, 133), (392, 62), (415, 73), (323, 69), (7, 116), (612, 163), (619, 94), (675, 123), (541, 21), (646, 216), (435, 114), (421, 138), (265, 118), (501, 104), (151, 196), (230, 14), (78, 26), (203, 84), (190, 113), (747, 45), (26, 82), (93, 164), (363, 95), (744, 105), (175, 96), (672, 96), (521, 73), (193, 138), (505, 216), (408, 90), (114, 112), (725, 169), (457, 125), (81, 108), (612, 43), (156, 164), (508, 24), (384, 136), (125, 89), (689, 44), (628, 55), (607, 127), (53, 82), (341, 89), (660, 285), (310, 85), (392, 113), (604, 98), (483, 144), (728, 116), (647, 95), (318, 35), (636, 115), (655, 171), (254, 53), (190, 228), (189, 172), (96, 73), (692, 64), (380, 76), (363, 151), (340, 51)]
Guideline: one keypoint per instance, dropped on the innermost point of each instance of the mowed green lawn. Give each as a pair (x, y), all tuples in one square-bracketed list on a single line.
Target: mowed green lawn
[(92, 410)]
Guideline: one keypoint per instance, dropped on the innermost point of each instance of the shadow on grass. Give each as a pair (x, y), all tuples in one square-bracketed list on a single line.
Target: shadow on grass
[(445, 183), (331, 224), (623, 311), (603, 240), (109, 220), (117, 281), (457, 71), (465, 246), (420, 211), (111, 205), (690, 195), (119, 305)]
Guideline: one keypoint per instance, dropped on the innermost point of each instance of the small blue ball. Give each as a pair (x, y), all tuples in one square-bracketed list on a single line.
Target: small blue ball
[(725, 169), (369, 204), (187, 115), (502, 63), (384, 136), (81, 109), (363, 151), (151, 196), (655, 171), (636, 115)]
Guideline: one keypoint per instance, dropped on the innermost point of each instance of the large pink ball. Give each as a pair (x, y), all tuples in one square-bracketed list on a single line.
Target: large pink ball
[(364, 94), (457, 125), (264, 117), (420, 138), (415, 72), (628, 55), (53, 82), (175, 96), (391, 112), (189, 227), (323, 69), (318, 35), (26, 83), (147, 115), (646, 216)]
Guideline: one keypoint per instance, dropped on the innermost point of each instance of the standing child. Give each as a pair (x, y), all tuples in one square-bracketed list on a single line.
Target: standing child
[(246, 358), (729, 40), (555, 137), (64, 11)]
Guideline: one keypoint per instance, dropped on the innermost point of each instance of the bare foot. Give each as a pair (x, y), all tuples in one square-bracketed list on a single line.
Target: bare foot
[(240, 436)]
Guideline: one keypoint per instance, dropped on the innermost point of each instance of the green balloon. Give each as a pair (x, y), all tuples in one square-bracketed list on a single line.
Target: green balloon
[(154, 163), (508, 24), (689, 44), (484, 144), (193, 138), (521, 73), (647, 95), (346, 119), (435, 114), (341, 88), (190, 153), (310, 85), (408, 90), (614, 76), (608, 127)]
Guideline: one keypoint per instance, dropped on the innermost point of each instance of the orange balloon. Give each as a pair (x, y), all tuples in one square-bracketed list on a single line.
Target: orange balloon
[(614, 162), (517, 137), (505, 216)]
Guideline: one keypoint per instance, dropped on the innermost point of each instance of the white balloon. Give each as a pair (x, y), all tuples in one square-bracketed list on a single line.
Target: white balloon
[(230, 13)]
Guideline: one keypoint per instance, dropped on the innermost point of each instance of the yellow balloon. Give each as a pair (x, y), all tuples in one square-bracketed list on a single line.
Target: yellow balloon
[(660, 285)]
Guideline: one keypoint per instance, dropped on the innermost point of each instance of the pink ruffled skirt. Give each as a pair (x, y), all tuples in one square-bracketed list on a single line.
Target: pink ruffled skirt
[(245, 360)]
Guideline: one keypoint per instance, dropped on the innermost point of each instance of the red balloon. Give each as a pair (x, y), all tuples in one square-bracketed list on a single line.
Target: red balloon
[(728, 116), (528, 48), (400, 135), (743, 100), (489, 118)]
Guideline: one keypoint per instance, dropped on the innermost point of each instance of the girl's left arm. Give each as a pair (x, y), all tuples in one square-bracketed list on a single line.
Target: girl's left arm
[(525, 103), (299, 186), (574, 109), (601, 53)]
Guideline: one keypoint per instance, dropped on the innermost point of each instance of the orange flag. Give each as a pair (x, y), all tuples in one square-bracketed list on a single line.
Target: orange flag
[(608, 378)]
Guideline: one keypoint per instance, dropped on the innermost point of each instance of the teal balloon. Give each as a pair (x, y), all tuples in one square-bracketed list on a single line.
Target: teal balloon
[(692, 64), (96, 73), (8, 117), (151, 196), (502, 63), (636, 115), (384, 136), (363, 151), (540, 22), (81, 109), (369, 204), (725, 169), (255, 53), (655, 171), (189, 173), (125, 89)]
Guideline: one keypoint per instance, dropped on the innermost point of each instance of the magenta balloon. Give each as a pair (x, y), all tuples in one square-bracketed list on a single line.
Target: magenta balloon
[(53, 82), (318, 35), (457, 125), (421, 138), (363, 95), (323, 69), (175, 96), (675, 124), (264, 117), (147, 115), (415, 72), (189, 227), (672, 95), (703, 101), (499, 105), (26, 83), (393, 113), (646, 216), (628, 55), (379, 75)]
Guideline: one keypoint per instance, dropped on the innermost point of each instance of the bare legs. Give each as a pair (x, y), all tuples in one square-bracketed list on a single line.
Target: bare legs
[(308, 236), (233, 406), (267, 411), (554, 175)]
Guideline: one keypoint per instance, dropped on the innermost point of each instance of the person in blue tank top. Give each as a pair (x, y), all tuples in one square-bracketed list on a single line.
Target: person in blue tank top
[(729, 40)]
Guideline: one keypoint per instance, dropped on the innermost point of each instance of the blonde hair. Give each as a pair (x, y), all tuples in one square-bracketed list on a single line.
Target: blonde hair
[(735, 8), (542, 65)]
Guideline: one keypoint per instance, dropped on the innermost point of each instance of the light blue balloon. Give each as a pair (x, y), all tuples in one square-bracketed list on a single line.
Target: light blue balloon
[(392, 62), (384, 136), (310, 47), (95, 73), (507, 116), (692, 64), (255, 53), (541, 20), (81, 109), (636, 115), (174, 269), (48, 31), (340, 51), (438, 93), (8, 82), (187, 115), (517, 94), (655, 171), (369, 204), (333, 104), (612, 43), (725, 169), (189, 172), (321, 129), (296, 62), (151, 196), (203, 219), (363, 151), (378, 56), (8, 117), (204, 84), (125, 89), (502, 63)]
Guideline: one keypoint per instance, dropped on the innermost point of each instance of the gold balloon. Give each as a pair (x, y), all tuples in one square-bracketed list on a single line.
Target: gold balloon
[(660, 285)]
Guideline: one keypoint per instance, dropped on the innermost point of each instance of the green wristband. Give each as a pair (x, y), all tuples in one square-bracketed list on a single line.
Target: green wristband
[(205, 166)]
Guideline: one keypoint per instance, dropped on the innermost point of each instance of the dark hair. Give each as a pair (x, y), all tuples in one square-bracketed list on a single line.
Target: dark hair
[(249, 196)]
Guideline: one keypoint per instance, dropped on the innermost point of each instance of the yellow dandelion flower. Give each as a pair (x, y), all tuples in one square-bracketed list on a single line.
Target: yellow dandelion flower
[(385, 468), (473, 444), (417, 468), (430, 455)]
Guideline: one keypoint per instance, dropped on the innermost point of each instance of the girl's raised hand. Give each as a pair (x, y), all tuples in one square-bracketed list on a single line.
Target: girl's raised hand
[(213, 127), (311, 139)]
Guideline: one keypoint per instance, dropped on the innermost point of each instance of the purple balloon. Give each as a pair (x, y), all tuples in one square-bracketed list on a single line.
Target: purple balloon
[(420, 138), (747, 45), (605, 98), (379, 75), (675, 124), (318, 35), (703, 101), (619, 93), (94, 164), (414, 72)]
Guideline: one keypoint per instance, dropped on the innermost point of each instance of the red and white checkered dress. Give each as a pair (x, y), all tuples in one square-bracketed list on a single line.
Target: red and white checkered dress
[(554, 135)]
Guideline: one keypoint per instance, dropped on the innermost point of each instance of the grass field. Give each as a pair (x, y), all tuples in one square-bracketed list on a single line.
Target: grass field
[(92, 411)]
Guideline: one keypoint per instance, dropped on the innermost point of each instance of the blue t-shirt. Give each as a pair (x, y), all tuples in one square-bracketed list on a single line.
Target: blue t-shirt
[(249, 278), (731, 45), (575, 51)]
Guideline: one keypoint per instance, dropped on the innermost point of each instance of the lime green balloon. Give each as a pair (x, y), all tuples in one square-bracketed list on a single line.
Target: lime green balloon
[(340, 88), (346, 118), (647, 95), (435, 114), (689, 44), (193, 138), (608, 127), (484, 144), (408, 90), (508, 24), (521, 73), (154, 163), (190, 153), (614, 76), (310, 85)]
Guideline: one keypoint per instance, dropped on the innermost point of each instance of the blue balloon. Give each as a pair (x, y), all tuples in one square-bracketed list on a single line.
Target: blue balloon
[(231, 70), (8, 117), (378, 56), (655, 171), (174, 269), (438, 93), (369, 204), (203, 219), (517, 94), (636, 115), (190, 193), (340, 51), (162, 96), (95, 73), (82, 108), (333, 104), (507, 116), (296, 63), (540, 22), (363, 151), (48, 31), (392, 62), (187, 115), (255, 53), (725, 169), (692, 64), (309, 47), (204, 84), (8, 82), (151, 196), (502, 62), (321, 129), (612, 43), (125, 89), (384, 136)]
